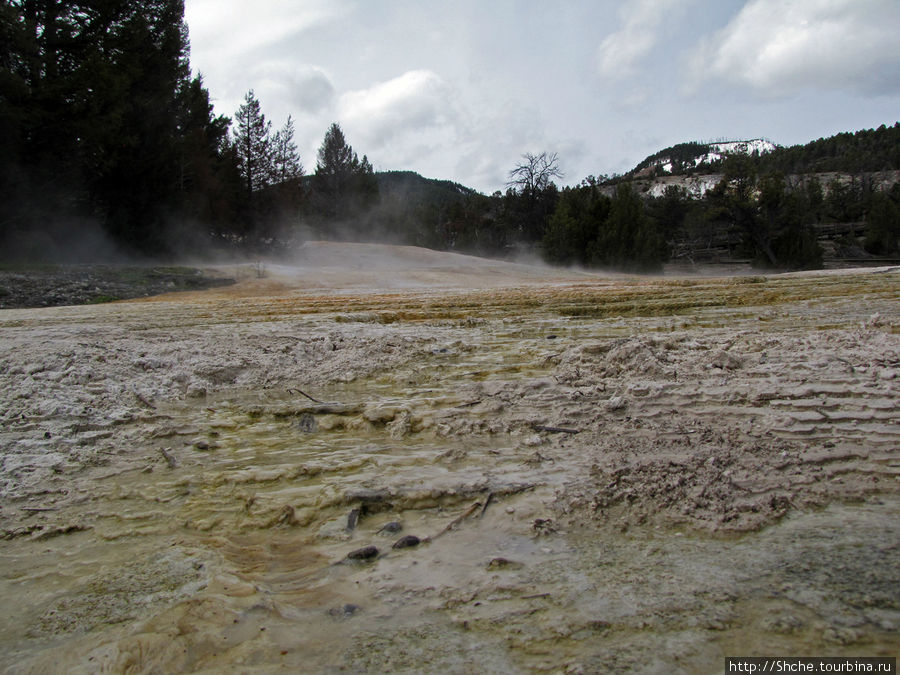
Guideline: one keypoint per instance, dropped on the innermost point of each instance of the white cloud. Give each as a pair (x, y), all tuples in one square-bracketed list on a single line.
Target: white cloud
[(229, 28), (621, 51), (418, 100), (777, 48), (303, 89)]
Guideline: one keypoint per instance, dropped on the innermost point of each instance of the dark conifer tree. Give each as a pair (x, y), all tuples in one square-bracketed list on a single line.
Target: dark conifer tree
[(344, 187), (253, 145), (92, 109), (286, 164)]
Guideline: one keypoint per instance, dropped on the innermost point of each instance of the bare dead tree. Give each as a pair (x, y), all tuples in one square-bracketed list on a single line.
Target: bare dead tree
[(534, 174)]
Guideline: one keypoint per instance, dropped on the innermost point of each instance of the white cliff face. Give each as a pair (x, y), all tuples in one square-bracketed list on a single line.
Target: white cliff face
[(695, 186)]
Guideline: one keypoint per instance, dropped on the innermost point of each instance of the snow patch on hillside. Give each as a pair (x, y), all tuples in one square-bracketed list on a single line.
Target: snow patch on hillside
[(716, 151), (743, 147)]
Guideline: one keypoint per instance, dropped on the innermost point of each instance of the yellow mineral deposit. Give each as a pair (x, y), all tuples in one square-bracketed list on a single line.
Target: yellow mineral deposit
[(387, 459)]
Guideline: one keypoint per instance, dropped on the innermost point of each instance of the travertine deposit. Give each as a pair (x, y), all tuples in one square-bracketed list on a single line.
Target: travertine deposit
[(387, 459)]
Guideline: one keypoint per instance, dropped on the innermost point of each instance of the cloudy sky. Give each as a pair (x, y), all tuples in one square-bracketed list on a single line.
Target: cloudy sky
[(460, 89)]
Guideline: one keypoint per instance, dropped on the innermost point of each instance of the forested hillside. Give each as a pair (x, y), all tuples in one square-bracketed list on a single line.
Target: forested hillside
[(868, 150)]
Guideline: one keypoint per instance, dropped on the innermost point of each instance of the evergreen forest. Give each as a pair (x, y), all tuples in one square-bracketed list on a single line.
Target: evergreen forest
[(110, 144)]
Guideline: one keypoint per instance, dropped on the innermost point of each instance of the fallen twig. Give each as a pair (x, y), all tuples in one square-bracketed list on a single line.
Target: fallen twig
[(143, 399), (300, 391), (536, 595), (467, 405), (555, 430), (486, 502), (353, 519), (456, 521), (169, 457)]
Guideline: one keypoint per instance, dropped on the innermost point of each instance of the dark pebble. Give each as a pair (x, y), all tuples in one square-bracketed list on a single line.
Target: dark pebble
[(408, 541), (393, 526), (345, 611), (307, 423), (364, 553)]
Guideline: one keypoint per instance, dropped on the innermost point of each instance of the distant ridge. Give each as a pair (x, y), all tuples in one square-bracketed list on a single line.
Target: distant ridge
[(866, 150), (411, 186)]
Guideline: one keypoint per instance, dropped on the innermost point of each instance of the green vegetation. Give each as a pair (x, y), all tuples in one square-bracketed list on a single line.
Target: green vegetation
[(591, 229), (867, 150)]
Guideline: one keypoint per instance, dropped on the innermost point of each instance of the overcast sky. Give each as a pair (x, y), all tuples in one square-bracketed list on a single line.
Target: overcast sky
[(460, 89)]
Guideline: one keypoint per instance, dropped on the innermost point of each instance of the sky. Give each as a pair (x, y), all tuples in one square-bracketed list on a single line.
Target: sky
[(461, 89)]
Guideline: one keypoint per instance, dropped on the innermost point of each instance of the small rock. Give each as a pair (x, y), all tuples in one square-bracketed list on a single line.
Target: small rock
[(408, 541), (364, 553), (391, 527), (726, 361), (616, 403), (343, 612)]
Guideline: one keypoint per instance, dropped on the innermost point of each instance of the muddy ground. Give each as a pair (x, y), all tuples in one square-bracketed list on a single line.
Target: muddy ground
[(390, 460), (57, 285)]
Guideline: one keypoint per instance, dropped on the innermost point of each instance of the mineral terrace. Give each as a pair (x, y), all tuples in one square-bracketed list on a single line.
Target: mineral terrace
[(385, 459)]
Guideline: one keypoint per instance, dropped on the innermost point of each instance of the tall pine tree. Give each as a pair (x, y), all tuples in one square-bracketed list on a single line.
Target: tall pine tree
[(286, 164), (344, 187), (253, 145)]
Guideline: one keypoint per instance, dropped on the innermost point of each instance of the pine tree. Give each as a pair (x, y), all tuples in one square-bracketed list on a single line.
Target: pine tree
[(345, 187), (286, 164), (336, 159), (207, 195), (253, 145), (628, 239)]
